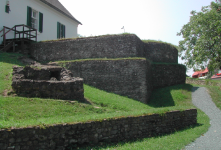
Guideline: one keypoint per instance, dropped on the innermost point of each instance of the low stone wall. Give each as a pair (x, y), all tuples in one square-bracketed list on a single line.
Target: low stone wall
[(109, 46), (126, 77), (66, 90), (202, 82), (119, 129), (47, 82), (168, 74)]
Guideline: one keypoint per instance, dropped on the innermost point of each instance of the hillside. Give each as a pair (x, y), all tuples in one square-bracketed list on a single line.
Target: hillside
[(22, 112)]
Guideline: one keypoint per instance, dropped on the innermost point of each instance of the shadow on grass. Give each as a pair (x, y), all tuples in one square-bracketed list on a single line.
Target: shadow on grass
[(162, 97), (84, 101), (194, 89), (106, 145), (11, 58)]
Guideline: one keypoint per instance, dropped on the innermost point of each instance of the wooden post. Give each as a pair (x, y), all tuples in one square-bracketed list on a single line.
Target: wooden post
[(36, 36), (14, 46), (15, 33), (4, 37), (23, 31), (22, 46)]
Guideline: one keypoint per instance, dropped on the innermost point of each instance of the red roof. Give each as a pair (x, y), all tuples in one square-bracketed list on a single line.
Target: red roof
[(205, 71), (197, 73)]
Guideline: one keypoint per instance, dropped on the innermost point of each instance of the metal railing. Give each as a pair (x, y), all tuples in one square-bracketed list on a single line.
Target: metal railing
[(20, 31)]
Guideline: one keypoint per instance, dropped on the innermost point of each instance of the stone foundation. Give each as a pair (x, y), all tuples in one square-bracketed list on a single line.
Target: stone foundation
[(112, 130), (47, 82), (109, 46), (168, 74), (202, 82), (125, 77), (131, 77)]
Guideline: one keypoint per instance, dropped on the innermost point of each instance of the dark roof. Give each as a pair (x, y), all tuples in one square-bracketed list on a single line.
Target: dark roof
[(59, 7)]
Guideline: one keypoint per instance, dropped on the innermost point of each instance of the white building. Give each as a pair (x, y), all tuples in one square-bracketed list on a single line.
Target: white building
[(49, 17)]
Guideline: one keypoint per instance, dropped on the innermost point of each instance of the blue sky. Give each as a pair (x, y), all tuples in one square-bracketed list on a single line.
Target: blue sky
[(148, 19)]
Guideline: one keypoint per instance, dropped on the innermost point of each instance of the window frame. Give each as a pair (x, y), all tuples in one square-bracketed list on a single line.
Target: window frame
[(36, 18), (7, 9), (38, 25), (61, 30)]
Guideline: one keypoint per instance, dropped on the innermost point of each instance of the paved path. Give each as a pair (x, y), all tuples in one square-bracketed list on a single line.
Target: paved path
[(212, 138)]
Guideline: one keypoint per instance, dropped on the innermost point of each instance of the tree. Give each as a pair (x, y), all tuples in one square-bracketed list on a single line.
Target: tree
[(201, 46)]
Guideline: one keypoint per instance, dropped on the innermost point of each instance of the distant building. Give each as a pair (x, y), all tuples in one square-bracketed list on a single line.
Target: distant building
[(50, 19), (217, 76), (200, 73)]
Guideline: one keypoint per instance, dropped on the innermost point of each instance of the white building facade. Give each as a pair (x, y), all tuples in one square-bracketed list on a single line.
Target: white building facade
[(51, 19)]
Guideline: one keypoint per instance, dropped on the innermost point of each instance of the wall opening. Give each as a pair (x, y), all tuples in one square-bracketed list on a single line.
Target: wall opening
[(55, 74)]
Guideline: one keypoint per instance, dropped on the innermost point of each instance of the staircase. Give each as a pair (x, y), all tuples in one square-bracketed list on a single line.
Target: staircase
[(1, 47), (22, 35), (8, 45)]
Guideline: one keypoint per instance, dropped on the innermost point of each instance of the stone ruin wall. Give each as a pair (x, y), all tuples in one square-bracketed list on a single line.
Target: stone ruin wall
[(160, 52), (126, 77), (168, 74), (135, 78), (62, 136), (47, 82), (91, 47), (110, 76), (110, 46)]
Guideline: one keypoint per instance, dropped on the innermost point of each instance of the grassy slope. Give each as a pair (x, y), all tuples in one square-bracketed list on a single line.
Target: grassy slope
[(175, 141), (215, 93), (214, 90), (21, 111)]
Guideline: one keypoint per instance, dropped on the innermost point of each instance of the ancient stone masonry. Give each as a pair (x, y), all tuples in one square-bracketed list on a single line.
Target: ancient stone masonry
[(161, 52), (121, 72), (110, 46), (168, 74), (47, 82), (127, 77), (202, 82), (135, 78), (116, 129)]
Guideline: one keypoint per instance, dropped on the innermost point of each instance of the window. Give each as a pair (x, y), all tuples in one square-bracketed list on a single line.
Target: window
[(60, 30), (35, 19), (7, 9)]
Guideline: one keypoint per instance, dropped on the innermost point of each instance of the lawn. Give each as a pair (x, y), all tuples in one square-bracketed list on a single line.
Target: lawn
[(22, 112)]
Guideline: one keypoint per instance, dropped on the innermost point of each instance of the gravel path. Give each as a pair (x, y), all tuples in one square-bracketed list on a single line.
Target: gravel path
[(212, 138)]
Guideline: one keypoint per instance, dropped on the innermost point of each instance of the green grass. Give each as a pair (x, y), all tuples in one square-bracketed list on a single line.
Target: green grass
[(22, 112), (109, 35), (6, 63), (96, 59), (174, 97), (92, 36), (159, 41), (215, 93), (174, 141), (214, 90), (207, 80)]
